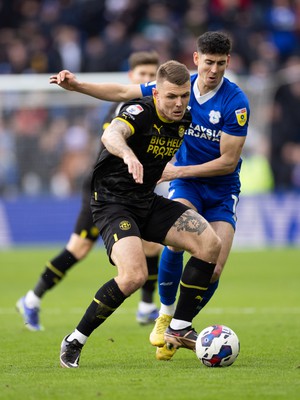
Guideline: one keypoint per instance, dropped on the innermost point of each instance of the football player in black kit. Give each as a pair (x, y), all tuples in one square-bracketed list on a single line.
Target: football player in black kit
[(142, 68), (136, 147)]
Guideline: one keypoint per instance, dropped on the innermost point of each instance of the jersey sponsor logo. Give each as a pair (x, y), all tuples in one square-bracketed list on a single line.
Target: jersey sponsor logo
[(214, 117), (163, 147), (241, 116), (125, 225), (134, 109), (199, 131)]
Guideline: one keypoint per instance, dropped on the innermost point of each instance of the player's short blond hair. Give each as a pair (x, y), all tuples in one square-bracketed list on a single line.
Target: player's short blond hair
[(173, 72)]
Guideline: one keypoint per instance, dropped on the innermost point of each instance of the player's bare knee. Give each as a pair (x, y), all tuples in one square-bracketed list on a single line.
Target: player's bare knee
[(208, 249), (139, 281), (133, 281), (217, 242), (81, 253), (217, 273), (213, 247), (79, 247)]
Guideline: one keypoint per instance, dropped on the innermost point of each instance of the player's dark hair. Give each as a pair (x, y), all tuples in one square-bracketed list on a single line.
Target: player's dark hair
[(143, 58), (214, 43), (173, 72)]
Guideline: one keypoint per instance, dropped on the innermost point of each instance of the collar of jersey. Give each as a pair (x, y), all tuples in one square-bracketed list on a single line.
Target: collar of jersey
[(159, 116), (207, 96)]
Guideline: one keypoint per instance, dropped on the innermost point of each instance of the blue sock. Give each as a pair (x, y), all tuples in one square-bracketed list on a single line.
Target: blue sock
[(169, 274), (208, 295)]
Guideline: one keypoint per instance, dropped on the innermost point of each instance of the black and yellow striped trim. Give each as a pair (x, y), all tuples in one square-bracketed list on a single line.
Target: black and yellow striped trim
[(128, 123), (55, 270), (193, 286)]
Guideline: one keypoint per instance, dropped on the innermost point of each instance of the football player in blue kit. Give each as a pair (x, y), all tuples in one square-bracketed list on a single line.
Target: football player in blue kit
[(205, 175)]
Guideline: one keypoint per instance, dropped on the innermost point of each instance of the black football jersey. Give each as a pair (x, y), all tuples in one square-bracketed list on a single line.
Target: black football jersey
[(112, 112), (154, 142)]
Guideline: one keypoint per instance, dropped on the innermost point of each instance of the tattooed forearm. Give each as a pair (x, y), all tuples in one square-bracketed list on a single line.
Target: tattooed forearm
[(190, 221), (114, 138)]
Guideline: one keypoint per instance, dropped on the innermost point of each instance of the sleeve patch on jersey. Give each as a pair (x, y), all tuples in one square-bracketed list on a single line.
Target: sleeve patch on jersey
[(134, 109), (241, 116)]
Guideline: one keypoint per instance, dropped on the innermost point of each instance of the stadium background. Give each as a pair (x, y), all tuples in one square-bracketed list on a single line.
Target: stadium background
[(48, 137)]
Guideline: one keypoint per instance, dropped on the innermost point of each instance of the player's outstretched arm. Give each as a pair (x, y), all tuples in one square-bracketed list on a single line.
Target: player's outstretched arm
[(103, 91), (231, 149)]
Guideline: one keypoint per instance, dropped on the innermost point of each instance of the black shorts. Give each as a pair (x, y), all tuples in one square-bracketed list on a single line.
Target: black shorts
[(116, 221), (85, 226)]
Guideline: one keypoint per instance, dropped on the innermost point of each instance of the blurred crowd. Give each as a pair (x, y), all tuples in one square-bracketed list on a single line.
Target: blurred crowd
[(45, 36)]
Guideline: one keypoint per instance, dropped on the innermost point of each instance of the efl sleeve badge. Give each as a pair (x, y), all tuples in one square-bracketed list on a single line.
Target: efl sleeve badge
[(241, 116)]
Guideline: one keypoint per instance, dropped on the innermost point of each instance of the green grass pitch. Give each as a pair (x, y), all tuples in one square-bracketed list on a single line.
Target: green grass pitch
[(259, 298)]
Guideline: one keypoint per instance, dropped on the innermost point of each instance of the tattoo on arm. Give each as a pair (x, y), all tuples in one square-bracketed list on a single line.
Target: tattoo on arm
[(121, 127), (190, 221), (115, 136)]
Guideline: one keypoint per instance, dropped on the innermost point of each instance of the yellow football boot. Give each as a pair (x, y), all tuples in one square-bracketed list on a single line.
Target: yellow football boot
[(157, 335), (165, 353)]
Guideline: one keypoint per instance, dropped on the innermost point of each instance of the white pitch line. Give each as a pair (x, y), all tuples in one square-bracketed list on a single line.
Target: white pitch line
[(214, 311)]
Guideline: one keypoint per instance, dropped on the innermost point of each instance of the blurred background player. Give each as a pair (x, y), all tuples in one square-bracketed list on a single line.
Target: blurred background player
[(142, 68)]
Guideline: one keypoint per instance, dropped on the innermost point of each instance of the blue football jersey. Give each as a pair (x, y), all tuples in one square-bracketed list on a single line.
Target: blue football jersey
[(224, 109)]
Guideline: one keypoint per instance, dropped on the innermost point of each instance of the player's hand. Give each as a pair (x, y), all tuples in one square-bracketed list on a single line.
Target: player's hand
[(135, 168), (169, 173), (65, 79)]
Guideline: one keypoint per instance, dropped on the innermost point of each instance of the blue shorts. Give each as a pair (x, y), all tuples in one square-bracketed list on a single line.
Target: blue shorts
[(213, 202)]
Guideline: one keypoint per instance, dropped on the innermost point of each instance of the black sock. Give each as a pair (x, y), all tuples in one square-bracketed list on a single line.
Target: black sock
[(149, 286), (54, 272), (194, 283), (108, 298)]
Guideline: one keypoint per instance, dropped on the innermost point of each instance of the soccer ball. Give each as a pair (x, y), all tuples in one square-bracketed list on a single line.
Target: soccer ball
[(217, 346)]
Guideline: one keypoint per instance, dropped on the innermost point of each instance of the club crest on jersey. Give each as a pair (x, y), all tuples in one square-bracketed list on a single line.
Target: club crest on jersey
[(214, 117), (134, 109), (241, 116), (125, 225), (181, 130)]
